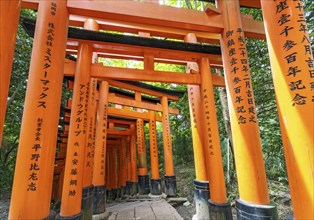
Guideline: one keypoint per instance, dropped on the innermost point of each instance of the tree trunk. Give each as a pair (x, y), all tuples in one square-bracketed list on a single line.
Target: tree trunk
[(225, 112)]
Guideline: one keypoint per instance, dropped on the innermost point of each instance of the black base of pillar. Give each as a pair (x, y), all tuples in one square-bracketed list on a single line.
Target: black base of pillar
[(219, 211), (155, 187), (246, 211), (51, 216), (143, 185), (112, 194), (87, 202), (133, 188), (74, 217), (99, 200), (122, 191), (201, 197), (127, 188), (170, 186), (119, 193)]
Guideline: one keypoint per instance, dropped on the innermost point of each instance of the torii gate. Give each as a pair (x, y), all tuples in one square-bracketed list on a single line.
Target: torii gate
[(127, 101), (225, 25)]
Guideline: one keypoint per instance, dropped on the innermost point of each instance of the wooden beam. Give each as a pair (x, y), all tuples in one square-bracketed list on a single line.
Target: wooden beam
[(114, 136), (116, 125), (159, 20), (155, 14), (132, 50), (114, 142), (141, 90), (218, 81), (132, 103), (127, 113), (119, 132), (245, 3), (104, 73), (216, 65), (210, 10), (120, 121), (251, 3), (131, 114), (253, 28), (154, 30)]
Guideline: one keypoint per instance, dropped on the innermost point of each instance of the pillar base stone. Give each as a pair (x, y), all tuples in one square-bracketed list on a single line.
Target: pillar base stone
[(155, 185), (112, 194), (161, 196), (170, 186), (122, 191), (73, 217), (201, 197), (87, 201), (246, 210), (119, 193), (51, 216), (100, 216), (133, 188), (143, 185), (127, 188), (99, 200), (219, 211)]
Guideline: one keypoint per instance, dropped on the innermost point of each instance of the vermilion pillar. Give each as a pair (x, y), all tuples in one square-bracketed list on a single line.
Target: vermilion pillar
[(9, 18), (195, 106), (113, 172), (60, 185), (88, 188), (155, 177), (99, 200), (107, 182), (143, 178), (128, 165), (246, 140), (133, 183), (72, 186), (90, 107), (292, 64), (170, 178), (218, 206), (119, 169), (201, 186), (32, 186), (215, 174), (142, 161), (123, 166)]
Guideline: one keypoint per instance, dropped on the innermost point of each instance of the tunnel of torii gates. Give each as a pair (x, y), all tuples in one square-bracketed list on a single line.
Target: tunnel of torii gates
[(101, 147)]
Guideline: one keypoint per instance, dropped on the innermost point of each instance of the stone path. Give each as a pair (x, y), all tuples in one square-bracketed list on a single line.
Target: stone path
[(145, 210)]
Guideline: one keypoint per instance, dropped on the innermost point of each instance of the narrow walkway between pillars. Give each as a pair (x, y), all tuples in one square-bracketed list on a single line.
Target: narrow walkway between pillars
[(142, 209)]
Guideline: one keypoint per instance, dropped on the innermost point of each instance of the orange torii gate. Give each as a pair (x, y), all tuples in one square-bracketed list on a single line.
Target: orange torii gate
[(143, 178), (292, 64), (122, 97)]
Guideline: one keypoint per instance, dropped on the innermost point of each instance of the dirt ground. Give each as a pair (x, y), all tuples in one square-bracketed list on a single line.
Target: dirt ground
[(4, 205), (279, 195)]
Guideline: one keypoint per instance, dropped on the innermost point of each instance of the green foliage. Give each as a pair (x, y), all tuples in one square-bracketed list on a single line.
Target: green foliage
[(181, 133), (309, 14), (15, 105), (266, 109)]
